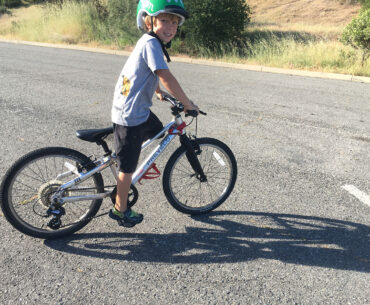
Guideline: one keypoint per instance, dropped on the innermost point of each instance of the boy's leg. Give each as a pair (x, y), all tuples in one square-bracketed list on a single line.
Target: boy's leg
[(120, 212), (123, 187), (127, 145), (128, 155), (125, 216)]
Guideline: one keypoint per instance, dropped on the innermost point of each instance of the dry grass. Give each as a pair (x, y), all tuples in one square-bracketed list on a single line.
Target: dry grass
[(318, 24), (319, 17), (24, 14), (298, 34), (73, 23), (46, 24)]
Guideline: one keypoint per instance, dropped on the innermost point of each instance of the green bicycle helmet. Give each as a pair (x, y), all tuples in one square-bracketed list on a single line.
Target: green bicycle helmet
[(156, 7)]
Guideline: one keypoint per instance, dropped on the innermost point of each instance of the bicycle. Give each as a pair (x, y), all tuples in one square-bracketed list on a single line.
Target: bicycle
[(55, 191)]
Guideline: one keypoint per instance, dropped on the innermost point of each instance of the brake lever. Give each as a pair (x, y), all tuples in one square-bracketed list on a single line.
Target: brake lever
[(174, 102)]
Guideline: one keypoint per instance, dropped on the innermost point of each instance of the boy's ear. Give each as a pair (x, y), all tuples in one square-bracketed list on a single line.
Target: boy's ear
[(148, 23)]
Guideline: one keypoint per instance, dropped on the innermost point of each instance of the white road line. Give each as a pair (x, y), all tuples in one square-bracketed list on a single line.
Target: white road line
[(363, 197)]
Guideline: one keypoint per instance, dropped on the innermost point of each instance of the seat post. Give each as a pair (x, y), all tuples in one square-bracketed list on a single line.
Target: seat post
[(105, 147)]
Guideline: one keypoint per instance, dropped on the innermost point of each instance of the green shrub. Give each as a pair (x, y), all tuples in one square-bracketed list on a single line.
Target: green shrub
[(357, 34), (215, 22), (16, 3), (10, 3), (365, 4), (107, 22), (121, 21)]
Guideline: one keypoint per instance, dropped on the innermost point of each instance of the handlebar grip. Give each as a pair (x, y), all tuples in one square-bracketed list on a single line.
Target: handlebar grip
[(192, 113)]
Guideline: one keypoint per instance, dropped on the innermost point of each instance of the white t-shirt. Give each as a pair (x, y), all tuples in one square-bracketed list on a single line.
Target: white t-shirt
[(137, 83)]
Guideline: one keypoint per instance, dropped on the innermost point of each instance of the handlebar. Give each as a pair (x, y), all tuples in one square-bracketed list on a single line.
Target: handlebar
[(177, 107)]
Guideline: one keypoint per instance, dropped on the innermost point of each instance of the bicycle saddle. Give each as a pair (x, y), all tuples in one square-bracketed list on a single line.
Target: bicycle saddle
[(94, 135)]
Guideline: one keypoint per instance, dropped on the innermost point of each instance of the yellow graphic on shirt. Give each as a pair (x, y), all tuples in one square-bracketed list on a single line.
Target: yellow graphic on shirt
[(126, 86)]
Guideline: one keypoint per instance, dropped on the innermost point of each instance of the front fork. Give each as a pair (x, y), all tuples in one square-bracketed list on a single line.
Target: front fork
[(192, 150)]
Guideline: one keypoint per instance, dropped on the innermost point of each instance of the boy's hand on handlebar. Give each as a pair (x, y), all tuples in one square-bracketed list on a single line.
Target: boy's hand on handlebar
[(188, 107), (160, 95), (191, 107)]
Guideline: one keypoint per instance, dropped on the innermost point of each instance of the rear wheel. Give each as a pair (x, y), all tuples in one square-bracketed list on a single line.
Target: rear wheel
[(186, 191), (29, 185)]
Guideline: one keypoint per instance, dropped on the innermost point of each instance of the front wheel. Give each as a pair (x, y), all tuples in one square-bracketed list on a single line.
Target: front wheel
[(29, 185), (184, 189)]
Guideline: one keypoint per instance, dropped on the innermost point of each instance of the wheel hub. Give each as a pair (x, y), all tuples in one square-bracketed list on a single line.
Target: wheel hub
[(47, 191)]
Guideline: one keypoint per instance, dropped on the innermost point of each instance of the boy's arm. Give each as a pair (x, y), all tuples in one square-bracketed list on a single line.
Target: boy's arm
[(173, 87)]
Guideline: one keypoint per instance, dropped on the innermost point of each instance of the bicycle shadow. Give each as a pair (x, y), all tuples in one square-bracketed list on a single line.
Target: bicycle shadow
[(304, 240)]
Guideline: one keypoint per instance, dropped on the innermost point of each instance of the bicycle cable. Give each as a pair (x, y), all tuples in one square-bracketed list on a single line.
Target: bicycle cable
[(196, 125)]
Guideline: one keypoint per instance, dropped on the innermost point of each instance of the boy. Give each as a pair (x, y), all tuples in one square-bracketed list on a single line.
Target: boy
[(132, 120)]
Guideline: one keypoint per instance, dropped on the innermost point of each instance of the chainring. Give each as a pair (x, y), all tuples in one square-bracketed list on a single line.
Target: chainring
[(132, 198)]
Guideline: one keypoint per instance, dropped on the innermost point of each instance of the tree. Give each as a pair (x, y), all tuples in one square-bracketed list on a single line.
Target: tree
[(357, 34), (213, 22)]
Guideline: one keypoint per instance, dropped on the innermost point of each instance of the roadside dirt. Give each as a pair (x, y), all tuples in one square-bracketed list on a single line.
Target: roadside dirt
[(310, 12)]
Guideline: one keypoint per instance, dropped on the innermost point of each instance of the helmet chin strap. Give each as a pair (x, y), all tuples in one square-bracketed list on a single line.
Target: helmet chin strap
[(164, 46)]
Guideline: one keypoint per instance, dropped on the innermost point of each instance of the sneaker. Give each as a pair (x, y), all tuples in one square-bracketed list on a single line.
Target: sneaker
[(127, 219)]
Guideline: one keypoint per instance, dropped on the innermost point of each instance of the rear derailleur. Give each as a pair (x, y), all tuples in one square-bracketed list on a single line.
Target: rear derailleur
[(56, 212)]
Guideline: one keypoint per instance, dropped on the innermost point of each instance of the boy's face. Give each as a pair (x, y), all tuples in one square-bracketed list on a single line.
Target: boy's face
[(165, 26)]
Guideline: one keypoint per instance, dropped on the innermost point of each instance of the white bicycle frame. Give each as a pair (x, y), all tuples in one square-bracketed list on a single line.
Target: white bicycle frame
[(110, 161)]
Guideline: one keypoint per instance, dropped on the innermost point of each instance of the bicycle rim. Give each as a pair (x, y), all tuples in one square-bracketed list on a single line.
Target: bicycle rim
[(186, 192)]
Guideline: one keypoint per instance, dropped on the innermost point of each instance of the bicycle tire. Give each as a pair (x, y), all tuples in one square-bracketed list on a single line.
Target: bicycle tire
[(30, 182), (185, 192)]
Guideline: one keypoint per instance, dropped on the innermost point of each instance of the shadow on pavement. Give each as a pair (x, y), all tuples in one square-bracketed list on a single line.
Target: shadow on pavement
[(222, 238)]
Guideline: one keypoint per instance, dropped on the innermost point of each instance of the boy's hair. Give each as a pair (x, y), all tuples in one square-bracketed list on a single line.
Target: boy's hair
[(147, 20)]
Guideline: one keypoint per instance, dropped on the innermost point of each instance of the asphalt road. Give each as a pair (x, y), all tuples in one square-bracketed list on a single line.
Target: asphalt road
[(295, 230)]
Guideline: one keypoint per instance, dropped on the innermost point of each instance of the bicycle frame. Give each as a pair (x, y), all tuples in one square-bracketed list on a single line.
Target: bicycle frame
[(174, 128)]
